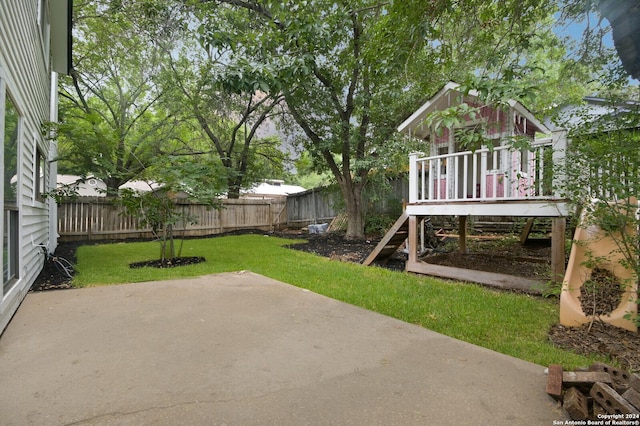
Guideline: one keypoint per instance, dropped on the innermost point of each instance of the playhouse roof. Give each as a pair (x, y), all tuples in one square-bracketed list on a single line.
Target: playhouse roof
[(445, 98)]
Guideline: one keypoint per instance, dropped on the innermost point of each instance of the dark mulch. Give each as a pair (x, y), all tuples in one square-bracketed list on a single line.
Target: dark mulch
[(168, 263), (601, 293), (597, 338), (600, 338), (336, 247), (531, 260), (488, 262), (50, 277)]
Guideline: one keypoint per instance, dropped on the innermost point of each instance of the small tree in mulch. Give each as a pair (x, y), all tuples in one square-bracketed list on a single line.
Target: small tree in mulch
[(161, 209)]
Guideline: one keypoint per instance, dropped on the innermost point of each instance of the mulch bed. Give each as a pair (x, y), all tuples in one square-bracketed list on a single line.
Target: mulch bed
[(600, 338), (168, 263), (596, 338)]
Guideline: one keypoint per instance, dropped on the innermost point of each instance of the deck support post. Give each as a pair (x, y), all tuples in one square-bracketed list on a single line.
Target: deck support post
[(526, 231), (558, 228), (462, 232), (413, 239)]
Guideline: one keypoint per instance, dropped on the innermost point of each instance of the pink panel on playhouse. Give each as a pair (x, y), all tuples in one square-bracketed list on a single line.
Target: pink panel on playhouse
[(499, 185), (442, 183)]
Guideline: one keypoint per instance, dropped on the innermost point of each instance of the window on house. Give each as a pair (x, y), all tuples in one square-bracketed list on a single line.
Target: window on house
[(443, 150), (40, 175), (524, 160), (43, 22), (10, 224)]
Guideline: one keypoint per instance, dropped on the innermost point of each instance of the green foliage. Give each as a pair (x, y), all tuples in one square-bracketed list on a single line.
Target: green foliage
[(314, 53), (591, 52), (308, 173), (111, 123), (350, 72), (146, 84), (552, 289), (198, 78), (229, 119), (377, 224)]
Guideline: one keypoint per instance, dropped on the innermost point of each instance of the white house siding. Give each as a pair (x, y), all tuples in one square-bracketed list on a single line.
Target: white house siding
[(25, 74)]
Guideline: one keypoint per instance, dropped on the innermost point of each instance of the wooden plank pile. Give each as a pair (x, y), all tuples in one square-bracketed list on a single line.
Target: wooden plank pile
[(599, 393)]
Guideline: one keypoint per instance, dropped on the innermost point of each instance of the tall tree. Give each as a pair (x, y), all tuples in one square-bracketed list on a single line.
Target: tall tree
[(112, 126), (351, 71), (230, 122)]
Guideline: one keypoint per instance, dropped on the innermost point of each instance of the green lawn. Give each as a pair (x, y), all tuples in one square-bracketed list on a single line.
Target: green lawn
[(513, 324)]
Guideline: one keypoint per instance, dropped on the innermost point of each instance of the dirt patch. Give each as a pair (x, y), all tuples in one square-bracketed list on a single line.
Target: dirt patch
[(509, 265), (493, 253), (505, 255)]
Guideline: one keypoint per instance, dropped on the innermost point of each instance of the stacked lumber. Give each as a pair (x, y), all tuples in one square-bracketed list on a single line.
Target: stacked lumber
[(600, 393)]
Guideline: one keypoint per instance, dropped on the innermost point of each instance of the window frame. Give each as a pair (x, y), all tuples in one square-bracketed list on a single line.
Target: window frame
[(44, 28), (40, 172), (11, 212)]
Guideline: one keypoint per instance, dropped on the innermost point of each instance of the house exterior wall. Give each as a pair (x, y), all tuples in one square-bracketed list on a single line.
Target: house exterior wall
[(26, 79)]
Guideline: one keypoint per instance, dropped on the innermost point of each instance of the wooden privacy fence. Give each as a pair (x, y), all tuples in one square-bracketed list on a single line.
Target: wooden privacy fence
[(320, 205), (98, 218), (102, 219), (309, 207)]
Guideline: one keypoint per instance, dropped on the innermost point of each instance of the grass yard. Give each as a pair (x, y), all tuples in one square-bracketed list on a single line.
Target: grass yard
[(513, 324)]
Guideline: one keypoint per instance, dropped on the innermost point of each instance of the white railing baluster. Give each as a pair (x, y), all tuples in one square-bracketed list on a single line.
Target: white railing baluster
[(541, 171), (511, 175), (456, 176), (535, 172), (495, 173), (465, 176), (432, 173), (424, 175), (438, 174), (474, 190)]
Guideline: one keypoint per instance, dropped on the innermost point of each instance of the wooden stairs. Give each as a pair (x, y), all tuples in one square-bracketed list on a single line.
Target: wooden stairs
[(390, 243)]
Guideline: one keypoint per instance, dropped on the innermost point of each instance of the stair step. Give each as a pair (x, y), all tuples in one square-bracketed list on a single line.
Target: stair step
[(389, 244)]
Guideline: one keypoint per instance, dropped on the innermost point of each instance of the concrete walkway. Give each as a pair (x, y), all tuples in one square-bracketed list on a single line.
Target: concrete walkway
[(242, 349)]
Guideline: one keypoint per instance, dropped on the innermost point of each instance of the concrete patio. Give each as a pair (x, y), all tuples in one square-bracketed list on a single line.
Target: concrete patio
[(242, 349)]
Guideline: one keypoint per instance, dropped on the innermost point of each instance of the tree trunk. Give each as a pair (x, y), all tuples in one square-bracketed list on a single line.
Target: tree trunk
[(355, 212), (172, 247), (113, 185), (233, 193), (234, 182)]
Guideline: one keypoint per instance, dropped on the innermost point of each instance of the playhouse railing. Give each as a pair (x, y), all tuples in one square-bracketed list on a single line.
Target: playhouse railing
[(500, 173)]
